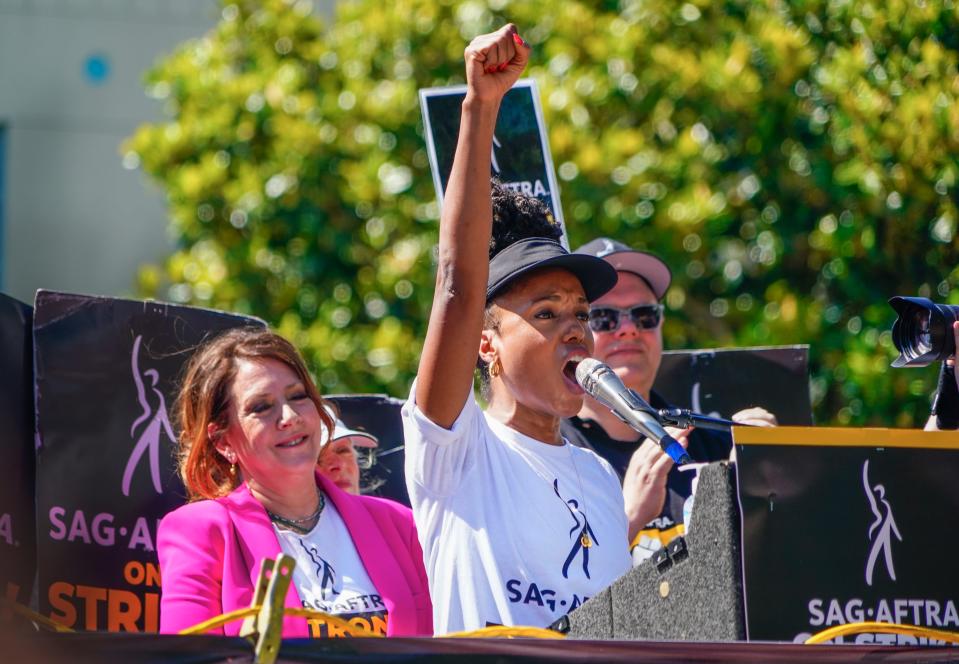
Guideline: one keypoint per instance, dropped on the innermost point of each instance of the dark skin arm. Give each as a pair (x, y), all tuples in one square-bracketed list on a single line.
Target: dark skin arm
[(445, 378)]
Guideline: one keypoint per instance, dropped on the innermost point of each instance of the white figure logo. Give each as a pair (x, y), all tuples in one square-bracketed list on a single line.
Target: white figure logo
[(492, 154), (881, 528), (157, 421)]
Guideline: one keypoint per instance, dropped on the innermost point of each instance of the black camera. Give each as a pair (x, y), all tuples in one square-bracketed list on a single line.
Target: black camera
[(923, 331)]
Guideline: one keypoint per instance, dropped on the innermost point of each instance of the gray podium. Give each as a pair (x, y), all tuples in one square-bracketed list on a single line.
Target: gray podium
[(691, 590)]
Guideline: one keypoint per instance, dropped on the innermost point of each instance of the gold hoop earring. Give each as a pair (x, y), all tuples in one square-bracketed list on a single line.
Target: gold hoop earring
[(495, 368), (232, 470)]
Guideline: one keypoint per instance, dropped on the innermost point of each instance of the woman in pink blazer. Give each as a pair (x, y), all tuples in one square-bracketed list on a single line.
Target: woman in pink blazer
[(252, 426)]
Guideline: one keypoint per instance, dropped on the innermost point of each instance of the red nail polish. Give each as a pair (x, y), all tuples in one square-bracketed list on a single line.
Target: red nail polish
[(518, 40), (503, 66)]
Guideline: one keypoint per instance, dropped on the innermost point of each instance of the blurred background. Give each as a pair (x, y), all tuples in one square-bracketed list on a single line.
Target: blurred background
[(72, 217), (794, 162)]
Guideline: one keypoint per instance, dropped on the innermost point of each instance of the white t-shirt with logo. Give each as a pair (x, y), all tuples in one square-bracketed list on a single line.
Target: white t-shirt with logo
[(503, 519), (330, 577)]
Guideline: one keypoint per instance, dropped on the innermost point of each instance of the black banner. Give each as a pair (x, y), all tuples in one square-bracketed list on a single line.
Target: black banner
[(18, 550), (379, 415), (843, 526), (723, 381), (521, 157), (106, 374)]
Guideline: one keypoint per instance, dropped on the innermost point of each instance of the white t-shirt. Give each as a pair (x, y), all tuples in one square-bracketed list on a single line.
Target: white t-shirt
[(330, 577), (502, 519)]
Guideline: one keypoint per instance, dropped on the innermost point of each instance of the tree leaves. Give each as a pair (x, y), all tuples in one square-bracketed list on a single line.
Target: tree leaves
[(795, 163)]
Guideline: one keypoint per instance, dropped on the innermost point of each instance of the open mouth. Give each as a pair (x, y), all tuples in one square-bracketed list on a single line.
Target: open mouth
[(569, 373), (296, 442), (569, 369)]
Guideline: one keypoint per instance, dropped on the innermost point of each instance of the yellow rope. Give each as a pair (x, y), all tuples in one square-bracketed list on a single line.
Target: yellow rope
[(496, 631), (506, 632), (206, 625), (220, 620), (354, 630), (884, 628), (33, 616), (239, 614)]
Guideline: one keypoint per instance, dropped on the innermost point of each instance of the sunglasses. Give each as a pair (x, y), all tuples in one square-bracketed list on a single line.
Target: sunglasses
[(607, 319)]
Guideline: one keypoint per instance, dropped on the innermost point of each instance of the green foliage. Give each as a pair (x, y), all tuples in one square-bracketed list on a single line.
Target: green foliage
[(795, 162)]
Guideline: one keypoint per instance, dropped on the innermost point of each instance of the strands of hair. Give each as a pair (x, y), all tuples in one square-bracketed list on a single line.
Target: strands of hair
[(517, 216)]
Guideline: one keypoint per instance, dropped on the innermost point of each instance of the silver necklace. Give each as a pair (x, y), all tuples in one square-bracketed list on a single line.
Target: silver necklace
[(305, 524)]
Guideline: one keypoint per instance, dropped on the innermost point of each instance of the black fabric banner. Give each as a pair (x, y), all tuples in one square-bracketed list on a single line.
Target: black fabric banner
[(723, 381), (18, 549), (106, 374), (848, 525), (379, 415)]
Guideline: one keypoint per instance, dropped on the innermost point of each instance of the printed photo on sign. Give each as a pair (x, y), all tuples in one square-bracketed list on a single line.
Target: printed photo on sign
[(520, 155)]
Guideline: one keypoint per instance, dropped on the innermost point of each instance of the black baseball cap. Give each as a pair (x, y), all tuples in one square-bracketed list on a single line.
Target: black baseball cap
[(649, 267), (523, 256)]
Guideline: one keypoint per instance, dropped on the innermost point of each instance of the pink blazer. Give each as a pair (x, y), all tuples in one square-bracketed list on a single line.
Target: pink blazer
[(210, 553)]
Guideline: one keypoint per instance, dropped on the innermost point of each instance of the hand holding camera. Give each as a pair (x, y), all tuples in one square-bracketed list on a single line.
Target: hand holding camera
[(926, 332)]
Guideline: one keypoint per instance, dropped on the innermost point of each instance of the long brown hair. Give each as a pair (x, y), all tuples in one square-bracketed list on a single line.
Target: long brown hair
[(205, 396)]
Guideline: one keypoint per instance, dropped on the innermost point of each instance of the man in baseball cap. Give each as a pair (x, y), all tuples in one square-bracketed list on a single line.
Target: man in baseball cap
[(338, 458), (627, 329)]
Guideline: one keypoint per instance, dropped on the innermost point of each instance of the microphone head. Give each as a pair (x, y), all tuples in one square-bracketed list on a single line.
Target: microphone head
[(587, 370)]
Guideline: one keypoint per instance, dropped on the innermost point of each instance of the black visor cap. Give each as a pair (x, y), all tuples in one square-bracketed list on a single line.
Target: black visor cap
[(596, 275)]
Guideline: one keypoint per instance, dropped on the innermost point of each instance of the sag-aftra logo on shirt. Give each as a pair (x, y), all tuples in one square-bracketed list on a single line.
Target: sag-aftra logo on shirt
[(582, 539)]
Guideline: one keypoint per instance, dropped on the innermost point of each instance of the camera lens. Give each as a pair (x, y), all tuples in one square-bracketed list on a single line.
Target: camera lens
[(923, 336), (923, 331)]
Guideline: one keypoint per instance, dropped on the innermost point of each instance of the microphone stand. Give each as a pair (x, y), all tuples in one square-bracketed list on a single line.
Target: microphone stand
[(685, 418), (667, 444)]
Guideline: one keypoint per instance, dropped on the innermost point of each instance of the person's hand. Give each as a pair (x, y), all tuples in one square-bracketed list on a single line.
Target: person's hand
[(756, 416), (644, 484), (951, 360), (494, 62), (946, 418)]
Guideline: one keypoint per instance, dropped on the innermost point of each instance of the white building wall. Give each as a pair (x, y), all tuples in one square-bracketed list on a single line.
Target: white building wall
[(73, 218)]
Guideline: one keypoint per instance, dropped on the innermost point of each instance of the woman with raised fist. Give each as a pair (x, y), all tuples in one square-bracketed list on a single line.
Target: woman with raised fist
[(518, 526)]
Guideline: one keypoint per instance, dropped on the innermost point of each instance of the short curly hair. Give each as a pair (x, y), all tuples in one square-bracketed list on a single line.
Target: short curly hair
[(516, 216)]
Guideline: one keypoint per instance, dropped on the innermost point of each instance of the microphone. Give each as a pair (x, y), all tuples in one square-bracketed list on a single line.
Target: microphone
[(602, 383)]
